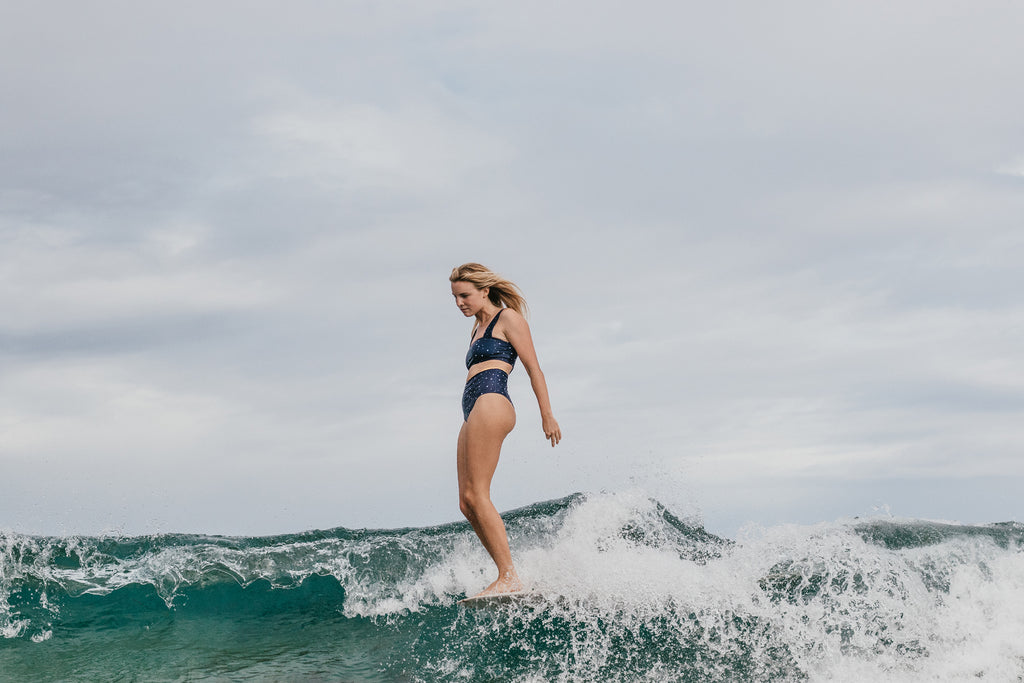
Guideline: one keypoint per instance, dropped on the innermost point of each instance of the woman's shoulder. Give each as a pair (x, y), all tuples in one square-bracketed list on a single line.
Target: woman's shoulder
[(511, 315), (513, 320)]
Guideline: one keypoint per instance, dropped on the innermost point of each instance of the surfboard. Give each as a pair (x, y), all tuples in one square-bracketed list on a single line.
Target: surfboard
[(496, 599)]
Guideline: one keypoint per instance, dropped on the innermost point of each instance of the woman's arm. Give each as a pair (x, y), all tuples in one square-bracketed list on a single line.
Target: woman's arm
[(517, 330)]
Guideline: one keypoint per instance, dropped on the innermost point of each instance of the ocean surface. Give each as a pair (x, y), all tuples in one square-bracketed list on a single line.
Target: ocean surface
[(627, 592)]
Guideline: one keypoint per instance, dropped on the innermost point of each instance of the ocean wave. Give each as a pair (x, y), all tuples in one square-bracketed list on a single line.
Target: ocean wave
[(626, 591)]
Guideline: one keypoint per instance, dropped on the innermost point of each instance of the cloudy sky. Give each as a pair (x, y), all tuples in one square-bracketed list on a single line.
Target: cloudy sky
[(772, 252)]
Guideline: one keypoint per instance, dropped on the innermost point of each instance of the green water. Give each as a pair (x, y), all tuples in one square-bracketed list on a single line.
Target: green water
[(629, 592)]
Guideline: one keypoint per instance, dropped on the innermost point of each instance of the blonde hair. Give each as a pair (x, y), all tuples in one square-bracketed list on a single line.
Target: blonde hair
[(502, 292)]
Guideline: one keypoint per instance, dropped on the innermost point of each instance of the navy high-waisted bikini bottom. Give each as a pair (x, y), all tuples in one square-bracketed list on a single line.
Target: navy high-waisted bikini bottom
[(492, 381)]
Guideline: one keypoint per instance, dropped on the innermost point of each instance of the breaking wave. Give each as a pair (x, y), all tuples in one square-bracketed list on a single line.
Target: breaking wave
[(627, 591)]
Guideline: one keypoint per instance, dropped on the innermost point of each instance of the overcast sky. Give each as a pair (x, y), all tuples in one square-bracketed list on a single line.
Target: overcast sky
[(772, 252)]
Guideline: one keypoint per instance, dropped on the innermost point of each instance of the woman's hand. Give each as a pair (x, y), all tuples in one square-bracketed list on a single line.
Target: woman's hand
[(551, 430)]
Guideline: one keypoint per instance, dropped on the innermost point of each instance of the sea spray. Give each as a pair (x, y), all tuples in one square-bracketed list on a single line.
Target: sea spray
[(629, 592)]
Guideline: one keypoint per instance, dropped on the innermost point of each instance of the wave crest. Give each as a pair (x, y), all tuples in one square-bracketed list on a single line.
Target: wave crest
[(628, 590)]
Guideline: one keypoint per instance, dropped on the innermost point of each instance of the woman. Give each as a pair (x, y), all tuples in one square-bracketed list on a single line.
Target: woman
[(488, 415)]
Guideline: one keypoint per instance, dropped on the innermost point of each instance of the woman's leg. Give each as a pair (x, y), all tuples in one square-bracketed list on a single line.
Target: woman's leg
[(479, 447)]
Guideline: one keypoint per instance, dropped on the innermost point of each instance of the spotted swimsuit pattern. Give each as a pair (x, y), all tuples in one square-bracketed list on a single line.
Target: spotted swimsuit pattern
[(490, 381)]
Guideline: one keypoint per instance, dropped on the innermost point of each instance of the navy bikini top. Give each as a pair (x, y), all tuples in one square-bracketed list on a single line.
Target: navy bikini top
[(490, 348)]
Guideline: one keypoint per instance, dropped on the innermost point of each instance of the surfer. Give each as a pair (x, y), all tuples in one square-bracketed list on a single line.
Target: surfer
[(488, 414)]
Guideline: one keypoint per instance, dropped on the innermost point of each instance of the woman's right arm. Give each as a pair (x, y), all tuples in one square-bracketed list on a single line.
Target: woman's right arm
[(518, 332)]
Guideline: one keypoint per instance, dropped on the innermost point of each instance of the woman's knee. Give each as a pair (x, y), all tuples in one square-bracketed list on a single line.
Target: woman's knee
[(470, 503)]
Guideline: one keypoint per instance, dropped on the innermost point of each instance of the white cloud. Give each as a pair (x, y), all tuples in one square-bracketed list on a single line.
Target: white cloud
[(1014, 168), (59, 278), (412, 148)]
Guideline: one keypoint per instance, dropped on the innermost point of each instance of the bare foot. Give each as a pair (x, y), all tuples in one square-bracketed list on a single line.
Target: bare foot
[(509, 583)]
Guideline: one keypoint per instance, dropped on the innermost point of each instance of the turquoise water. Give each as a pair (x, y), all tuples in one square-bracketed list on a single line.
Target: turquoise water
[(630, 592)]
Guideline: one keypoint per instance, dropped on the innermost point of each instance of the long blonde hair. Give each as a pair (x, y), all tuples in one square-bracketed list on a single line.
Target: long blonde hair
[(502, 292)]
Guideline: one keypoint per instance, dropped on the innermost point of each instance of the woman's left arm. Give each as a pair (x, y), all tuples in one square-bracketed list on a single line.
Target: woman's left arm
[(518, 332)]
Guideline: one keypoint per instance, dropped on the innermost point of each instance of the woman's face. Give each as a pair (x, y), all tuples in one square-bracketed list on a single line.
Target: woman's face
[(468, 298)]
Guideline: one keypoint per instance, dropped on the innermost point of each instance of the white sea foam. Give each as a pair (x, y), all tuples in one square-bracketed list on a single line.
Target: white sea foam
[(842, 607)]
